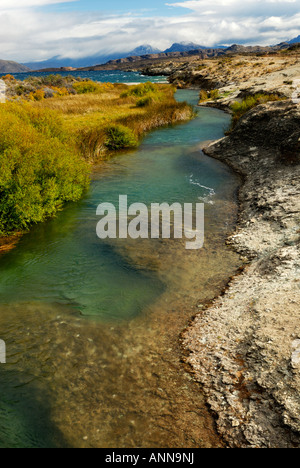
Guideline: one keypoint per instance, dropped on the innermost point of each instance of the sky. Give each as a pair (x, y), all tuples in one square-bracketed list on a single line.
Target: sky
[(32, 30)]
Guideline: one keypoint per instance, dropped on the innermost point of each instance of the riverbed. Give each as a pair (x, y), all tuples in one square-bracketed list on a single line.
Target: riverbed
[(92, 327)]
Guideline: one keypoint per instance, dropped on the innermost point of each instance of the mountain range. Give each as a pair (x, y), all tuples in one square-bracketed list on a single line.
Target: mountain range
[(295, 40), (98, 59), (187, 46), (58, 62), (145, 49)]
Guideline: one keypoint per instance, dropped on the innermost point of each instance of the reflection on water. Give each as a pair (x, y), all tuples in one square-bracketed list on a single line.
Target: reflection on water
[(92, 327)]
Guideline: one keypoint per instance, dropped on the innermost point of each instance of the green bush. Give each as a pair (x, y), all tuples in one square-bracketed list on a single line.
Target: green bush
[(120, 137), (140, 90), (145, 101), (39, 171), (248, 103), (214, 94), (85, 87)]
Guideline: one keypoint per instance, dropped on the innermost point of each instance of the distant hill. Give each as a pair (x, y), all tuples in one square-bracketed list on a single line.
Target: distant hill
[(184, 47), (98, 59), (148, 52), (59, 62), (143, 50), (188, 46), (7, 66), (295, 40)]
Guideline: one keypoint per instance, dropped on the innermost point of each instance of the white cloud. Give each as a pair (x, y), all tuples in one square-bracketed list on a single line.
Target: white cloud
[(237, 8), (31, 34)]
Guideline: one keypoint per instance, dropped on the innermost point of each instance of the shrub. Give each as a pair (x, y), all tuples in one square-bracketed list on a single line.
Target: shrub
[(85, 87), (38, 95), (203, 95), (140, 90), (39, 170), (49, 93), (9, 78), (214, 94), (120, 137), (54, 80), (145, 101), (63, 91)]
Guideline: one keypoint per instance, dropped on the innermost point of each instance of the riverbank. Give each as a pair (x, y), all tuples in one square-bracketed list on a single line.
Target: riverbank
[(69, 133), (244, 348)]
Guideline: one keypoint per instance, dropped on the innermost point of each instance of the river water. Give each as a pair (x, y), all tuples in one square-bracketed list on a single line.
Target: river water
[(92, 327), (102, 76)]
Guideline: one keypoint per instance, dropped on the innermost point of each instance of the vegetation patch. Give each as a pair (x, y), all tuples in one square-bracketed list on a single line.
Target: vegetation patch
[(120, 137), (37, 88), (141, 90), (212, 95), (117, 117), (40, 169), (85, 87), (54, 128), (146, 94), (240, 108)]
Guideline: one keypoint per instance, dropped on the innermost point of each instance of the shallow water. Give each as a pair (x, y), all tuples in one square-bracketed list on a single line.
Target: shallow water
[(92, 327)]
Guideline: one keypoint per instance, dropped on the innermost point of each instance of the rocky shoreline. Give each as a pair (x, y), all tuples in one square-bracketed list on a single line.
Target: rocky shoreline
[(244, 348)]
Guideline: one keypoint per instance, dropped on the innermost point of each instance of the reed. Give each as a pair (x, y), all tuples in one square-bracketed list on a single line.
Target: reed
[(89, 118), (47, 144)]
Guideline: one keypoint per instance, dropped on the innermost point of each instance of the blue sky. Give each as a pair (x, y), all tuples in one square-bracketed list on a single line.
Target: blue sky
[(153, 7), (40, 29)]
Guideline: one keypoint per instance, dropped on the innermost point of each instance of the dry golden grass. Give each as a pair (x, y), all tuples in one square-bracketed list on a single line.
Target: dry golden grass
[(86, 117), (46, 146)]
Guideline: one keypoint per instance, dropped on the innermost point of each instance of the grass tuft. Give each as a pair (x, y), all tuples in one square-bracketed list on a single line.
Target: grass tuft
[(241, 108)]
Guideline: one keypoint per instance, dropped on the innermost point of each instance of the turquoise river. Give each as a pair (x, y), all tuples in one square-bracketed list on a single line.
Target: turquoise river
[(92, 327)]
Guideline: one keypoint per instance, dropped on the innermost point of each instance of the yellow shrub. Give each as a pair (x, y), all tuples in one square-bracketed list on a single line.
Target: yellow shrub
[(38, 95), (107, 86), (85, 87), (8, 78), (60, 91)]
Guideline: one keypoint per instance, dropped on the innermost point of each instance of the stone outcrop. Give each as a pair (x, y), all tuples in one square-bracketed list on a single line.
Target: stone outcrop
[(245, 347)]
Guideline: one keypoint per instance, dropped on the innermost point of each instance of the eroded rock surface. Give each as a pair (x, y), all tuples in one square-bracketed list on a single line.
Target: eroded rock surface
[(245, 347)]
